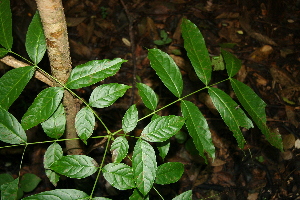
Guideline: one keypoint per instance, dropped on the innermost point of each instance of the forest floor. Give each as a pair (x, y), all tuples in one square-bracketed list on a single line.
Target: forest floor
[(265, 35)]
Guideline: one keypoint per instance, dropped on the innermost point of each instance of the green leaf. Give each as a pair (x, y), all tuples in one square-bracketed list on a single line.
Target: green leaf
[(75, 166), (130, 119), (159, 42), (53, 177), (53, 153), (106, 94), (5, 178), (6, 38), (119, 175), (35, 39), (255, 107), (54, 127), (148, 96), (184, 196), (62, 194), (9, 190), (3, 52), (100, 198), (162, 128), (119, 149), (136, 195), (144, 166), (10, 129), (29, 182), (92, 72), (233, 64), (169, 172), (85, 123), (13, 83), (43, 107), (233, 117), (196, 50), (167, 70), (163, 148), (198, 129)]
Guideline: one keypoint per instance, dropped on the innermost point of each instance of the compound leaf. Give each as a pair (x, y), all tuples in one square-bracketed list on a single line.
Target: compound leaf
[(167, 70), (35, 39), (162, 128), (43, 107), (130, 119), (144, 166), (233, 64), (106, 94), (184, 196), (119, 175), (10, 129), (233, 116), (58, 194), (6, 38), (13, 83), (255, 107), (148, 96), (92, 72), (119, 149), (198, 129), (85, 123), (196, 50), (75, 166), (169, 172), (54, 127), (9, 190)]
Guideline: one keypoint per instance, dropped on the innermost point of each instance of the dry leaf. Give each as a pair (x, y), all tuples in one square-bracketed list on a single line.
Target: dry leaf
[(261, 54), (288, 141)]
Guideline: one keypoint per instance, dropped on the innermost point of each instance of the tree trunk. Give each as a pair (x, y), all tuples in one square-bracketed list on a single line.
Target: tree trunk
[(55, 30)]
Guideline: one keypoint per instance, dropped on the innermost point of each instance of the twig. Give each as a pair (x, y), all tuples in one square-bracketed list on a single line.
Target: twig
[(130, 27), (13, 62)]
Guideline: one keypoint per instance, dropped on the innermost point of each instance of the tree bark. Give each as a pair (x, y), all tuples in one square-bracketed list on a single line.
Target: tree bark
[(55, 30)]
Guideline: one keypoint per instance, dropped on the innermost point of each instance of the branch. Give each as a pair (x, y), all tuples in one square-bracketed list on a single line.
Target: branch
[(11, 61), (55, 30)]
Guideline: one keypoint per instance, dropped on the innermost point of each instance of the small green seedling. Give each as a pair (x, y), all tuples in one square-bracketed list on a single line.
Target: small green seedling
[(164, 39)]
